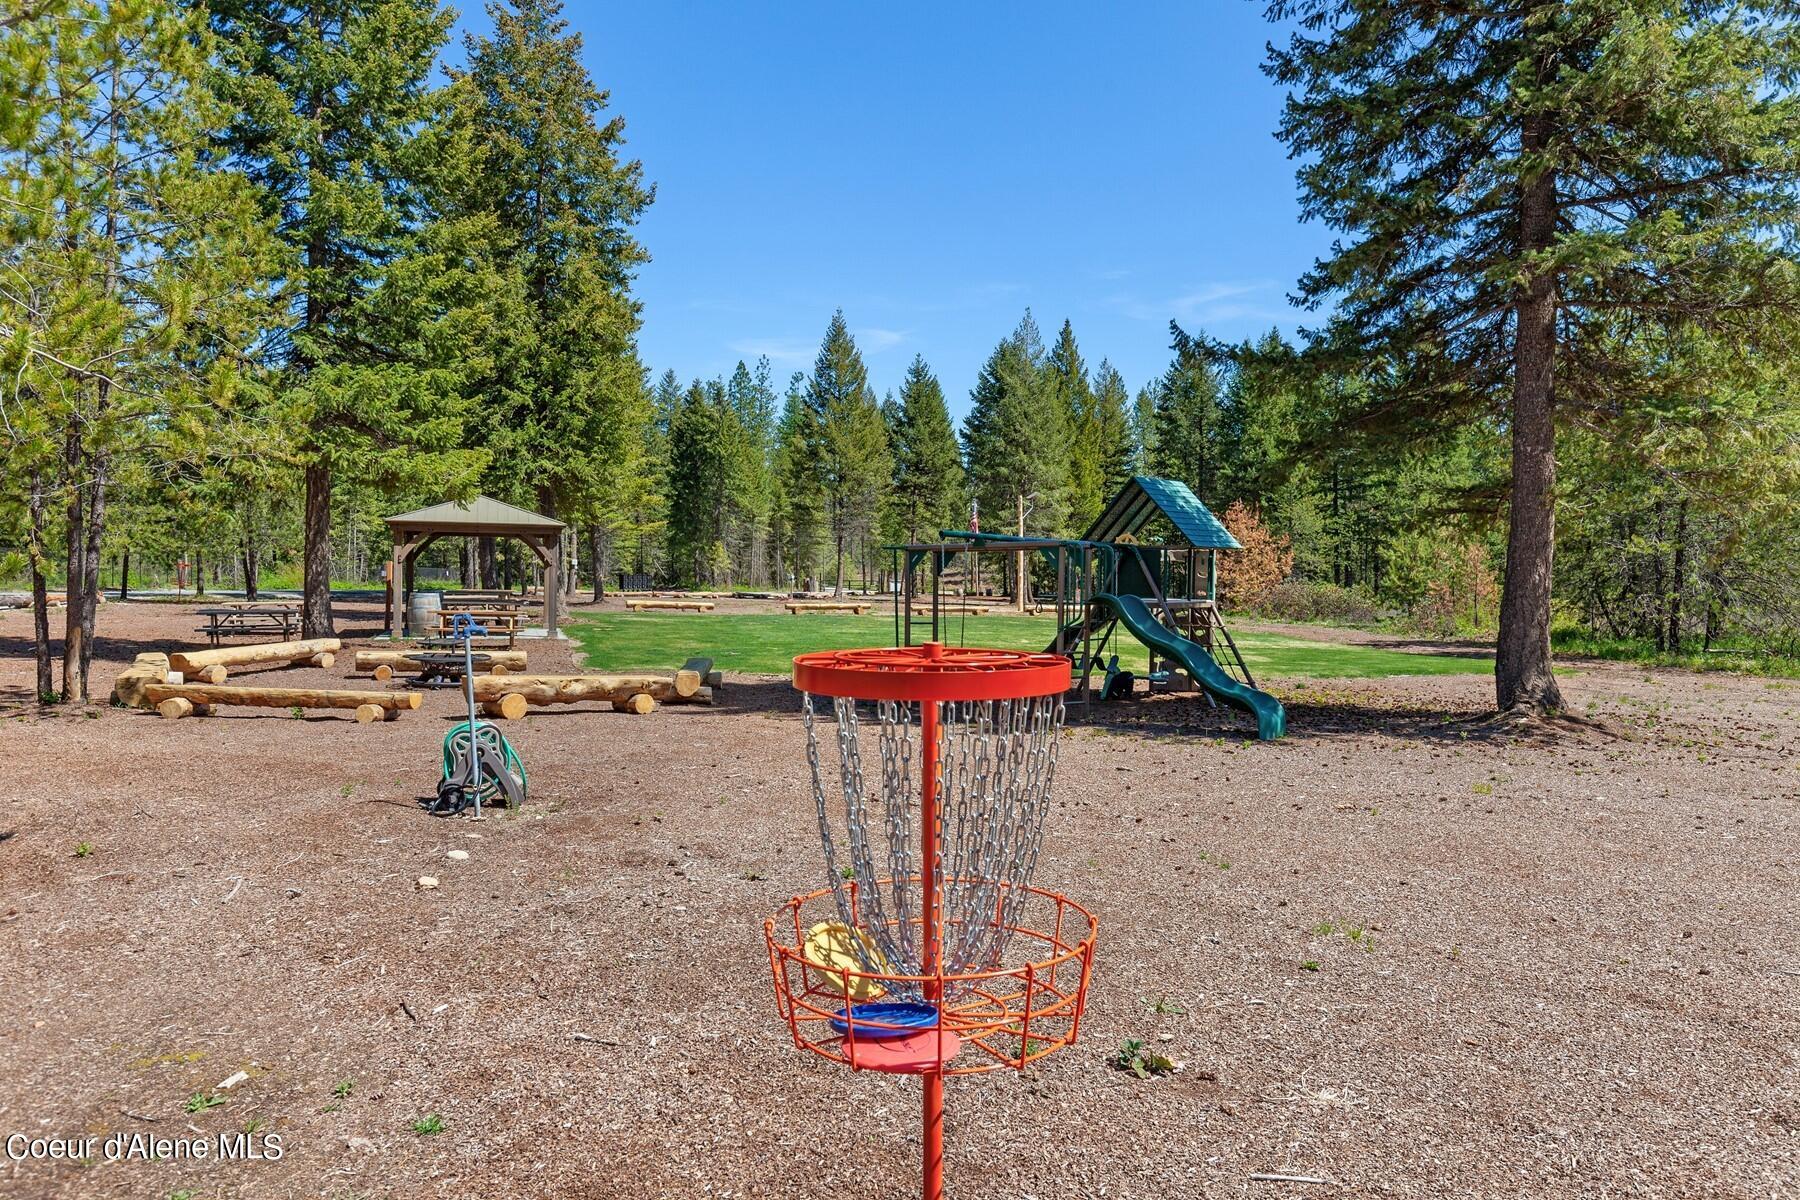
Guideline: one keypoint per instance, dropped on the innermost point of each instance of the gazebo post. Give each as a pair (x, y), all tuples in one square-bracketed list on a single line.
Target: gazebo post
[(552, 582), (395, 600)]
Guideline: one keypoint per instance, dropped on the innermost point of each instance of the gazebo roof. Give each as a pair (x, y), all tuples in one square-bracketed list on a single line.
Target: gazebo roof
[(1144, 496), (482, 515)]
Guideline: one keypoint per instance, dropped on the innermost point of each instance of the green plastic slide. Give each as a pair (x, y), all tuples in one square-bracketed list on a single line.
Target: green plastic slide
[(1135, 615)]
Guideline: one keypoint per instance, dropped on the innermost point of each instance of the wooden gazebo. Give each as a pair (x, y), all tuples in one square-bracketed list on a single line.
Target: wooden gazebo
[(483, 516)]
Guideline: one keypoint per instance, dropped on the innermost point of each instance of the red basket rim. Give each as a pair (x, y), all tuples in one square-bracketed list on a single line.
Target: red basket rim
[(931, 672)]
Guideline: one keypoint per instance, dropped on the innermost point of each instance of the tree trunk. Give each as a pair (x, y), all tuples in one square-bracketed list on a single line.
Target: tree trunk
[(200, 572), (484, 560), (1523, 676), (597, 557), (125, 574), (40, 593), (252, 573), (72, 560), (1658, 600), (90, 566), (1021, 584), (315, 600), (1677, 584), (840, 565)]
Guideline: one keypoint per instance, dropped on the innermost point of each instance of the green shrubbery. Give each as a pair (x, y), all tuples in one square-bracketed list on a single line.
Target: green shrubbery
[(1316, 603)]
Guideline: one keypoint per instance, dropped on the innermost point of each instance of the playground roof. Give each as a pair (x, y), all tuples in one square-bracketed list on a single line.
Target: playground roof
[(482, 515), (1143, 497)]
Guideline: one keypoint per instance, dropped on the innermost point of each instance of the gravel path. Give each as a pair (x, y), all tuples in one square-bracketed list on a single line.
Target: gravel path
[(1561, 966)]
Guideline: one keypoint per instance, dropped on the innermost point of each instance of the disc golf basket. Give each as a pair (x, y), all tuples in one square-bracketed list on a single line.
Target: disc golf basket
[(930, 953)]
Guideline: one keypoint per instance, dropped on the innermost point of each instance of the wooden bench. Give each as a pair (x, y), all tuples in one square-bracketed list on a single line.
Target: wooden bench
[(670, 605), (858, 607), (952, 610)]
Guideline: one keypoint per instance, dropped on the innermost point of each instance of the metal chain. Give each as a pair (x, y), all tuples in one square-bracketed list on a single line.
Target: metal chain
[(997, 767)]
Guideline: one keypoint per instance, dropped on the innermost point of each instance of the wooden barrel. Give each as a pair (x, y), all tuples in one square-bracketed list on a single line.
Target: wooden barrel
[(422, 613)]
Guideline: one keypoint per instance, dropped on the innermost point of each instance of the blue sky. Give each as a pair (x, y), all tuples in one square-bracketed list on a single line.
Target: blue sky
[(934, 170)]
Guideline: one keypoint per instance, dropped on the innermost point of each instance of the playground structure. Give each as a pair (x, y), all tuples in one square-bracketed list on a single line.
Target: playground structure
[(903, 966), (1164, 594)]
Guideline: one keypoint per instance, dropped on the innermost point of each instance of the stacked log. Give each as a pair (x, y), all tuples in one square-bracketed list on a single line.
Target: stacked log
[(129, 684), (198, 698), (385, 664), (209, 666), (508, 696)]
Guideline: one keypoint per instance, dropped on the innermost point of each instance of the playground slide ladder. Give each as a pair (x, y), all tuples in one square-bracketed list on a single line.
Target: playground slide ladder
[(1243, 668)]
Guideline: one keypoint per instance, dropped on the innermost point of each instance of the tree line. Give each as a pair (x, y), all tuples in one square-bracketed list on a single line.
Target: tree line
[(268, 274)]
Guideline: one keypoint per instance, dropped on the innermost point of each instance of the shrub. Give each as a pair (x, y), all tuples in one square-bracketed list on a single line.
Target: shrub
[(1318, 603), (1248, 575)]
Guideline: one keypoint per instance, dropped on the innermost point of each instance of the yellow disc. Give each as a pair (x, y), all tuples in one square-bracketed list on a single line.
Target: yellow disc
[(833, 944)]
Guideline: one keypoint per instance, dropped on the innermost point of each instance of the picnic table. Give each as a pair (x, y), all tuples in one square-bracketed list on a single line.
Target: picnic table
[(501, 623), (250, 617), (486, 602), (443, 668)]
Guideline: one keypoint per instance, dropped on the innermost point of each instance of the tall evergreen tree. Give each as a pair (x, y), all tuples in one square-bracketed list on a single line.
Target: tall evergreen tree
[(928, 491), (1114, 447), (1187, 417), (1143, 430), (136, 279), (1518, 182), (334, 101), (699, 439), (797, 507), (563, 408), (846, 440), (1015, 440), (1074, 396)]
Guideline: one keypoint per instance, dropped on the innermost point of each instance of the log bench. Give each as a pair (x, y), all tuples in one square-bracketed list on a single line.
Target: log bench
[(669, 605), (510, 696), (177, 700), (210, 666), (859, 607)]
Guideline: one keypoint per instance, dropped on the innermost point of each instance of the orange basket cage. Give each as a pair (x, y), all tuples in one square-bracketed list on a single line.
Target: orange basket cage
[(1010, 1015)]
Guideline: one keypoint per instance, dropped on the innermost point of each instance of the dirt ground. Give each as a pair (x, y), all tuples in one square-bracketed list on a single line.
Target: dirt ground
[(1574, 969)]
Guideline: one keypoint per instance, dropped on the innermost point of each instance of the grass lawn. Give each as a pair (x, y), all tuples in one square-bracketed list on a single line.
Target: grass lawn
[(766, 644)]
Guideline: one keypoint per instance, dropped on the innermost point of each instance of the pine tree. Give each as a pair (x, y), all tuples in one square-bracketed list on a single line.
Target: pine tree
[(137, 277), (562, 411), (928, 483), (1114, 445), (1143, 430), (751, 396), (1068, 381), (335, 119), (846, 440), (1014, 438), (1187, 417), (797, 506), (1536, 200), (699, 436)]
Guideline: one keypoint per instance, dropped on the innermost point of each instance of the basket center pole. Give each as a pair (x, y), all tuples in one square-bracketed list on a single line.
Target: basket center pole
[(933, 1133)]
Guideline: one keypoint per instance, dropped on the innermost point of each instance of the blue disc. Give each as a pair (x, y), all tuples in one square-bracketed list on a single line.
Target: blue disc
[(905, 1016)]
